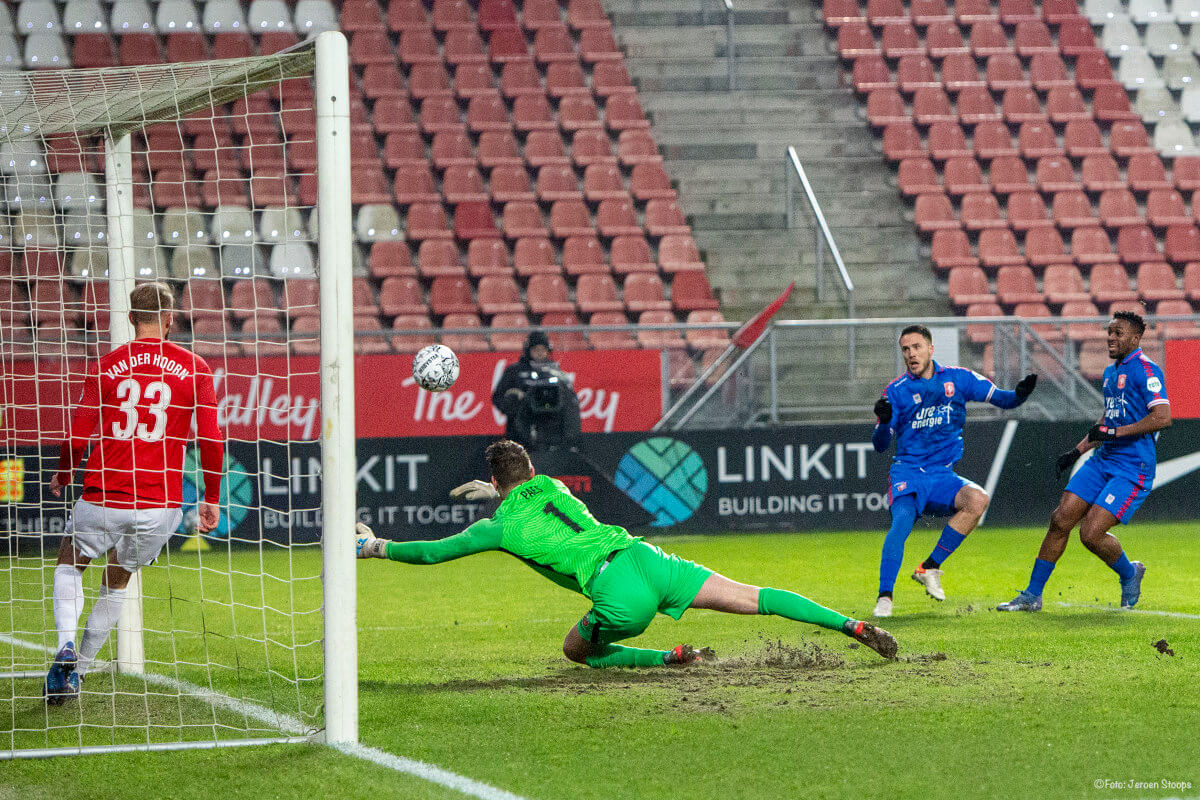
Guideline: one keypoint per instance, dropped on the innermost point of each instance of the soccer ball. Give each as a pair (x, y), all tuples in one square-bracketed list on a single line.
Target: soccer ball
[(435, 368)]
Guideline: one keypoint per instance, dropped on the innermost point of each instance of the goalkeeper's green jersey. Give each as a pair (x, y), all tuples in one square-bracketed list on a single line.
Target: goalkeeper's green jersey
[(541, 523)]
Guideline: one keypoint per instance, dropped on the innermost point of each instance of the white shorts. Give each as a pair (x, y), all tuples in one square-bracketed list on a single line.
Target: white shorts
[(137, 534)]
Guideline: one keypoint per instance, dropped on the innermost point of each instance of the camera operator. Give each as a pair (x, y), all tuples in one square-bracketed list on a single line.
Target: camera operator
[(538, 398)]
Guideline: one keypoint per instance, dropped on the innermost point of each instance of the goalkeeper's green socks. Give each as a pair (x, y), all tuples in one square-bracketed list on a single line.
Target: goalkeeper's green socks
[(793, 606), (615, 655)]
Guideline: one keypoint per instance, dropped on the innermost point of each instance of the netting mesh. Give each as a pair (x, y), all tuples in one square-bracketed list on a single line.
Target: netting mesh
[(224, 190)]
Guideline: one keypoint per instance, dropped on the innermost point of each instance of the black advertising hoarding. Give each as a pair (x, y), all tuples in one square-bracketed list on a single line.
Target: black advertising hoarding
[(789, 479)]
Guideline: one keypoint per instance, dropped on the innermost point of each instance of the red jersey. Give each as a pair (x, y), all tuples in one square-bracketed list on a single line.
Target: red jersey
[(143, 395)]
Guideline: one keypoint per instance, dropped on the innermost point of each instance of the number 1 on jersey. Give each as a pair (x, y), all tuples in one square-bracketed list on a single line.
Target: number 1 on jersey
[(555, 511)]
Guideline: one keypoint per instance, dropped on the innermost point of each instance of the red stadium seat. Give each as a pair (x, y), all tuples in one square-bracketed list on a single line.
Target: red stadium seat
[(975, 106), (506, 45), (983, 333), (1110, 284), (547, 293), (499, 148), (464, 342), (942, 38), (1063, 283), (951, 248), (536, 14), (917, 176), (912, 73), (451, 148), (1073, 210), (1100, 173), (1032, 38), (631, 253), (1137, 243), (597, 292), (969, 285), (603, 182), (839, 12), (463, 185), (417, 46), (1009, 174), (1016, 284), (510, 183), (1056, 175), (593, 146), (390, 258), (401, 295), (1047, 71), (900, 39), (534, 256), (564, 78), (1191, 281), (998, 248), (451, 14), (487, 112), (1026, 211), (429, 80), (451, 295), (473, 79), (927, 12), (1128, 138), (1091, 246), (617, 218), (1075, 37), (1146, 172), (1021, 105), (884, 12), (488, 257), (1111, 104), (611, 77), (496, 14), (933, 212), (418, 332), (523, 219), (520, 78), (531, 112), (1118, 208), (545, 147), (414, 184), (886, 106), (855, 39), (566, 340), (980, 211), (557, 182), (463, 46), (583, 254), (1037, 140), (1065, 104), (960, 72), (427, 221), (988, 38), (1182, 244), (474, 220), (962, 175), (1185, 171), (1082, 138), (678, 253), (1156, 281), (1176, 330), (1165, 207), (438, 257), (623, 111), (512, 341), (946, 140), (406, 15), (659, 339), (499, 294), (1044, 246), (570, 218), (1004, 71), (611, 340), (663, 218), (552, 42), (992, 140), (902, 141)]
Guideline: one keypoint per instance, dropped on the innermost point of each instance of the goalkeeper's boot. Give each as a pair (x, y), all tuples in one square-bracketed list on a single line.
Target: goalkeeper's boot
[(1131, 590), (931, 579), (1022, 602), (873, 637), (61, 681), (883, 607), (686, 654)]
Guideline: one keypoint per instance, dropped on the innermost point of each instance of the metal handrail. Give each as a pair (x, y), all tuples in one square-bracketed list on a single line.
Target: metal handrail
[(730, 61)]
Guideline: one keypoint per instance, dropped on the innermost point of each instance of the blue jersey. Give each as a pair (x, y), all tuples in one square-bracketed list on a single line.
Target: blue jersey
[(1131, 389), (928, 415)]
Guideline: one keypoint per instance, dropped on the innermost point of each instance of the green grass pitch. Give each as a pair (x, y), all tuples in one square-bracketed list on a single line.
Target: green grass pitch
[(460, 666)]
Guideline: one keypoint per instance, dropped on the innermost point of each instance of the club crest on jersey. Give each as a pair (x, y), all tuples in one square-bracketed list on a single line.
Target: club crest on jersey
[(916, 397), (949, 388), (1120, 381), (900, 487)]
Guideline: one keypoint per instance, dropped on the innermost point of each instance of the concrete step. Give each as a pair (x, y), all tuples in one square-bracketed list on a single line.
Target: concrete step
[(627, 6), (722, 101), (853, 210), (806, 113), (668, 40), (713, 16)]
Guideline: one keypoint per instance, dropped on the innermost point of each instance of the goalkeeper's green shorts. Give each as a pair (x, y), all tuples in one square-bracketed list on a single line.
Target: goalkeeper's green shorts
[(638, 583)]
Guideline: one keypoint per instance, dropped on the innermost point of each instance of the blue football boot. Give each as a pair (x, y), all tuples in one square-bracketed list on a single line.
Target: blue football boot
[(1131, 590), (62, 683), (1022, 602)]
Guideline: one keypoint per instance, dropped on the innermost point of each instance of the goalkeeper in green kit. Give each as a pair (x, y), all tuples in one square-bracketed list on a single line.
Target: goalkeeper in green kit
[(628, 580)]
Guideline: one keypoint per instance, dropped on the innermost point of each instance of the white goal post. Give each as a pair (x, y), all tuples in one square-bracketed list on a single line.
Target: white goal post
[(237, 631)]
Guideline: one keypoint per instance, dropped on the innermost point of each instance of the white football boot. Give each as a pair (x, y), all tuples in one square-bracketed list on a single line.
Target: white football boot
[(883, 607), (931, 579)]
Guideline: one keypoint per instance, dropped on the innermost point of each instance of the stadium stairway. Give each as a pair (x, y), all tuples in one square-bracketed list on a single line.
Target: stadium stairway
[(726, 151)]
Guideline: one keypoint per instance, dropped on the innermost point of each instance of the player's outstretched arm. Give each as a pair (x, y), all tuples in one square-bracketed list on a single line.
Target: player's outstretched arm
[(1019, 394), (475, 490), (1158, 418), (479, 537)]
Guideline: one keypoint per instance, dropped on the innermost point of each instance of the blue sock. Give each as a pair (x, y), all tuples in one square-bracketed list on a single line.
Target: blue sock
[(904, 514), (1123, 567), (1041, 574), (947, 543)]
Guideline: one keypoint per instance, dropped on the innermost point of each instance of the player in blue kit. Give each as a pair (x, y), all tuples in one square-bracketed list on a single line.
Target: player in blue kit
[(925, 410), (1109, 486)]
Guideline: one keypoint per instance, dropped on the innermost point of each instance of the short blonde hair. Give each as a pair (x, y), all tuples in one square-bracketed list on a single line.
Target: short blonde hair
[(148, 302)]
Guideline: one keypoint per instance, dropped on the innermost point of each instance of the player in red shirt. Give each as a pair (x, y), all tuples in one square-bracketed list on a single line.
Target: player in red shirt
[(143, 396)]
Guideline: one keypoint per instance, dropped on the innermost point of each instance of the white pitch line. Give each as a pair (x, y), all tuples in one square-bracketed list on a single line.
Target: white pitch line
[(1146, 611), (291, 725)]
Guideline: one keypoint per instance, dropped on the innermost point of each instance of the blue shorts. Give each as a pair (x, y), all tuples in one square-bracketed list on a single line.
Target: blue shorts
[(934, 488), (1116, 490)]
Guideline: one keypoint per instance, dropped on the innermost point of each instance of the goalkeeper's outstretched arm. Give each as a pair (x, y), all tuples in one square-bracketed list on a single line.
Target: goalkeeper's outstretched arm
[(479, 537)]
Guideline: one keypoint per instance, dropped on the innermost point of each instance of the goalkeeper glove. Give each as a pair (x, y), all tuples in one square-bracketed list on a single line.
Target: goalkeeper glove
[(1066, 461), (475, 490), (367, 545), (1102, 433), (883, 411), (1025, 387)]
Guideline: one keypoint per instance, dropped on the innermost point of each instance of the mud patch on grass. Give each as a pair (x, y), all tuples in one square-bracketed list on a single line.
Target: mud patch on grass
[(775, 654), (1163, 648)]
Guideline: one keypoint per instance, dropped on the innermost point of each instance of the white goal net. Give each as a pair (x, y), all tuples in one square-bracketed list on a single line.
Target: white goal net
[(210, 176)]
